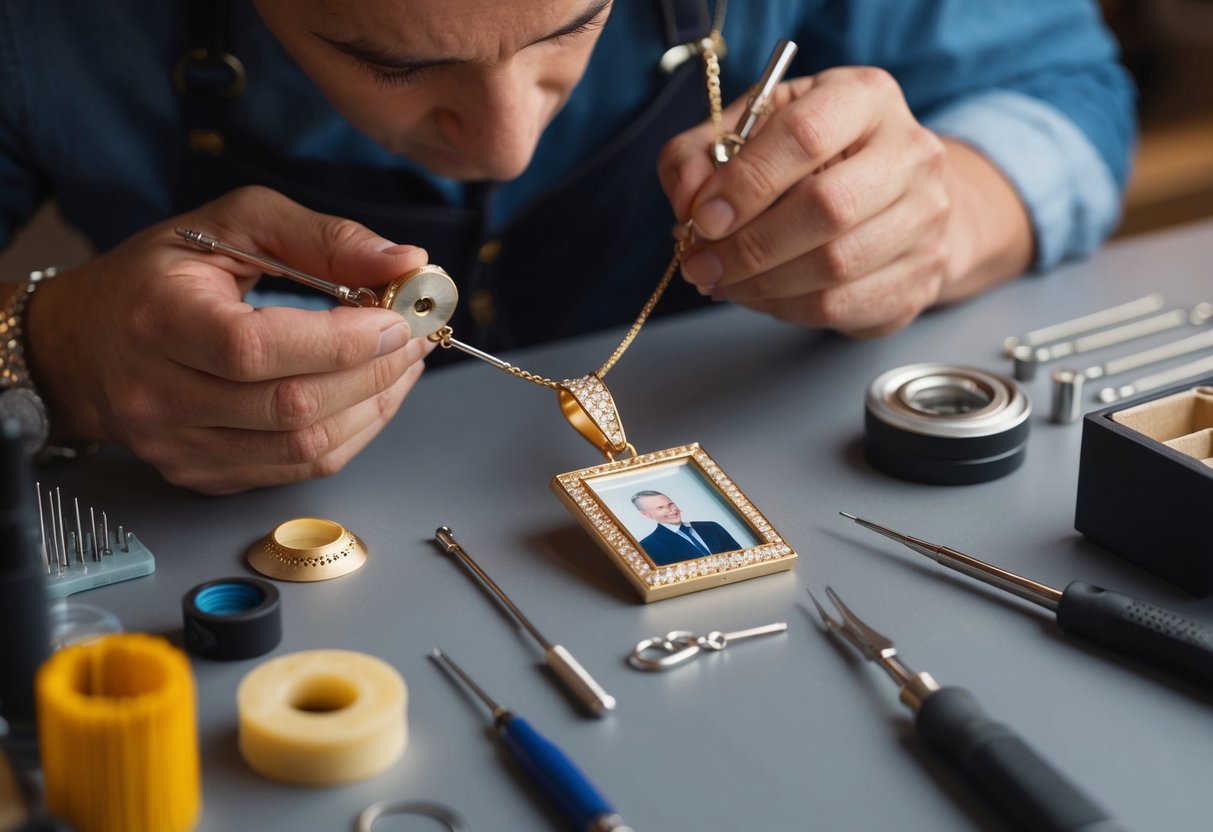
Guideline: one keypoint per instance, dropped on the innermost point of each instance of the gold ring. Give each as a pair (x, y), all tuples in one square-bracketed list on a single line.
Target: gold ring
[(307, 549)]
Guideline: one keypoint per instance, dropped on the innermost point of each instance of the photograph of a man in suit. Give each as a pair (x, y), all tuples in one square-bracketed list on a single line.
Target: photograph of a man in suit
[(673, 540)]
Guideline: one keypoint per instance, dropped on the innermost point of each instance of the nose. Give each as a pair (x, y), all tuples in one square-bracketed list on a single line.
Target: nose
[(495, 118)]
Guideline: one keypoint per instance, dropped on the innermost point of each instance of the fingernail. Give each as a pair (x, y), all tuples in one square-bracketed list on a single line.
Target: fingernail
[(702, 268), (714, 218), (392, 248), (393, 338)]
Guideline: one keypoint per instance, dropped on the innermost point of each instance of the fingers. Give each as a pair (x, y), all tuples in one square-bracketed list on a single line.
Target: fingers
[(816, 212), (279, 404), (234, 341), (814, 121), (878, 305), (274, 459)]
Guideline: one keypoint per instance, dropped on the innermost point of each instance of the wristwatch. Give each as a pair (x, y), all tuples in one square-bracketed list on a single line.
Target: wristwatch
[(19, 400)]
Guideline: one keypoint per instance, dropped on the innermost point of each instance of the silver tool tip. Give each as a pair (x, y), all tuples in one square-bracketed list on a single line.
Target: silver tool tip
[(446, 537), (849, 517), (820, 609)]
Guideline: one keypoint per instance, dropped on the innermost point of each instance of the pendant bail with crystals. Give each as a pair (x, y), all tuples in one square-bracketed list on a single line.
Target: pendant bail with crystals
[(587, 404)]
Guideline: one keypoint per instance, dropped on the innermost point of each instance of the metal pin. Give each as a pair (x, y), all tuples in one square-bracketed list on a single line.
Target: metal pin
[(92, 522), (1175, 375), (1086, 323), (79, 547), (62, 534), (105, 523), (76, 541), (42, 527), (122, 538), (50, 502)]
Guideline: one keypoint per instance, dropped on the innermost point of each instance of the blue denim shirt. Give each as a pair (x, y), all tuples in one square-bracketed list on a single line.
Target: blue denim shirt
[(88, 114)]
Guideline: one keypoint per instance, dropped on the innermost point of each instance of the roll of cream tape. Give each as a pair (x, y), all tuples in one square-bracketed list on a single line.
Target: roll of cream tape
[(322, 717)]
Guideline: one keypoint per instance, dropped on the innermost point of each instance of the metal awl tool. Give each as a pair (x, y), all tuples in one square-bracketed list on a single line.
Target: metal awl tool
[(425, 297), (757, 104), (544, 762), (678, 646), (1164, 638), (572, 675), (1021, 783)]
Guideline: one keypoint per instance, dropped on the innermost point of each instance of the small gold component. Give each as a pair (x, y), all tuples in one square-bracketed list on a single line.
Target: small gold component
[(307, 549)]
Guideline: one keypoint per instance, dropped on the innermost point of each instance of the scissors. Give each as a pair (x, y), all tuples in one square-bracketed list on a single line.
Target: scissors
[(678, 646)]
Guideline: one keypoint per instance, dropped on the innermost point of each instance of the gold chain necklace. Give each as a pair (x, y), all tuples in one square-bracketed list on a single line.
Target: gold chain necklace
[(585, 401)]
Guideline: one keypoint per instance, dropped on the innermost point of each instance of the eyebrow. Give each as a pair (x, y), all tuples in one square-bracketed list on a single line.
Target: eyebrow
[(366, 51)]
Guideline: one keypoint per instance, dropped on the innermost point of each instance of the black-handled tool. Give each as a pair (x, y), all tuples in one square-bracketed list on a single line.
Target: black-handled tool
[(1023, 785), (1157, 636)]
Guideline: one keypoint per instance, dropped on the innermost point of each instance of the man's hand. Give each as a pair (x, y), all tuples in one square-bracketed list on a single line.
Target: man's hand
[(842, 211), (152, 346)]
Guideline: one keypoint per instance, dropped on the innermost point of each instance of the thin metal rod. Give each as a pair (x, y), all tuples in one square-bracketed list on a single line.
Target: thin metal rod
[(1155, 355), (42, 527), (92, 522), (62, 532), (1165, 378), (277, 267), (447, 663), (1038, 593), (475, 353), (50, 502), (1086, 323), (79, 529), (446, 537), (1114, 336)]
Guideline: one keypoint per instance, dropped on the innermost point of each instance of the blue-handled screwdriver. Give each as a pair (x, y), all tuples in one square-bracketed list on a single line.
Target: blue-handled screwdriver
[(545, 763)]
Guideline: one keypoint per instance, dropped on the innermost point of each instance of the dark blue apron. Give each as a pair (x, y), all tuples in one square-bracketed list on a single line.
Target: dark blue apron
[(551, 271)]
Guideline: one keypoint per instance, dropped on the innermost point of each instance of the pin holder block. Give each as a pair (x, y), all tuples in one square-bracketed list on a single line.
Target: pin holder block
[(119, 565), (1145, 483)]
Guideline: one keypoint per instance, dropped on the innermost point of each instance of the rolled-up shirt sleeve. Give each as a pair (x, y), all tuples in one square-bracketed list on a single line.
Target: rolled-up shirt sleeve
[(1036, 86), (1069, 190)]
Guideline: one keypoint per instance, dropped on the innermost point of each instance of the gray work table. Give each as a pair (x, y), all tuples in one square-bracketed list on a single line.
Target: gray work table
[(787, 731)]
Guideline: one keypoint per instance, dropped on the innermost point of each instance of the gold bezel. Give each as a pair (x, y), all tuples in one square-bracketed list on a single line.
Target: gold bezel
[(771, 553)]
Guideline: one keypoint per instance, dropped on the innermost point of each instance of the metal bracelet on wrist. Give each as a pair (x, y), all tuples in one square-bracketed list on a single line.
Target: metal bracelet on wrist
[(19, 399)]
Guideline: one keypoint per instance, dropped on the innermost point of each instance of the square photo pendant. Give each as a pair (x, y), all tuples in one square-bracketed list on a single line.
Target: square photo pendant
[(673, 522)]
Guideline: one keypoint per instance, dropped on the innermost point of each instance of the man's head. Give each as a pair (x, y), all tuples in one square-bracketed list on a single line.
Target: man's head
[(463, 87), (657, 506)]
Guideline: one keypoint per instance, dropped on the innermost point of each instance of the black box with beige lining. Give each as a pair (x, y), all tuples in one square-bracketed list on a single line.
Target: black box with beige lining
[(1145, 483)]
